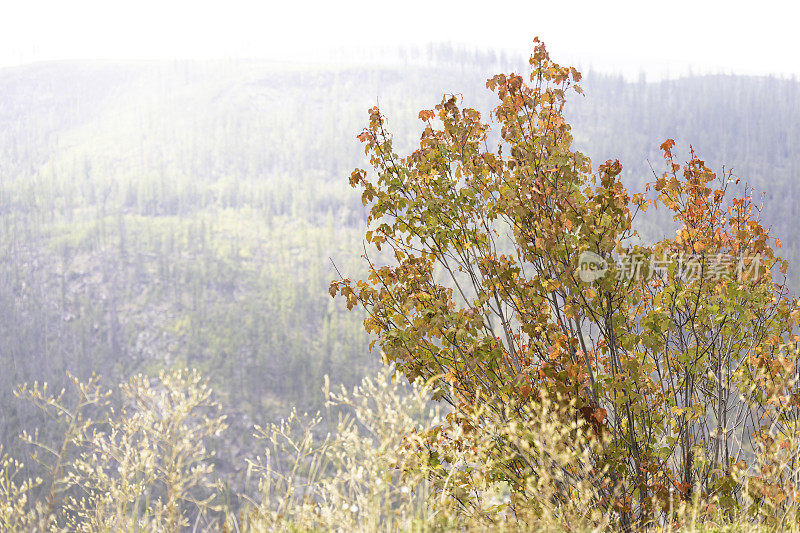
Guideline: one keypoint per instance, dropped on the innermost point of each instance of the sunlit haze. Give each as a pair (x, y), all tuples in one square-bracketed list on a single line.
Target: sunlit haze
[(658, 38)]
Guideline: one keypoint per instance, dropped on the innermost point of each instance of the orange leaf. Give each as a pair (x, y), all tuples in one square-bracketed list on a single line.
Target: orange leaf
[(666, 146)]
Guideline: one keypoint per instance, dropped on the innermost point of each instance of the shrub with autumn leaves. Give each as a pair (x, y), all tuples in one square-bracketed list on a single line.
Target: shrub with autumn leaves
[(672, 365)]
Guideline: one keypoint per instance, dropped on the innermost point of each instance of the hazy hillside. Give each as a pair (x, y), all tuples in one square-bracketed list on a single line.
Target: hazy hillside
[(187, 213)]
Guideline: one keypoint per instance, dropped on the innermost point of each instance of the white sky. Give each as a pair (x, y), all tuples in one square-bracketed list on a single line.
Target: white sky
[(665, 37)]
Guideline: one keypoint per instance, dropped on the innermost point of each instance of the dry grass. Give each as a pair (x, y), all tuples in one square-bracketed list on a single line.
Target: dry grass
[(380, 458)]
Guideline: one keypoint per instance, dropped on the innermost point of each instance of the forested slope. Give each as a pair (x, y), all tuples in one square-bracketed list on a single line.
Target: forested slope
[(186, 213)]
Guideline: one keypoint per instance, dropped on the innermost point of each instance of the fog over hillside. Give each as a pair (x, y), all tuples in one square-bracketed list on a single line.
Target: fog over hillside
[(162, 214)]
